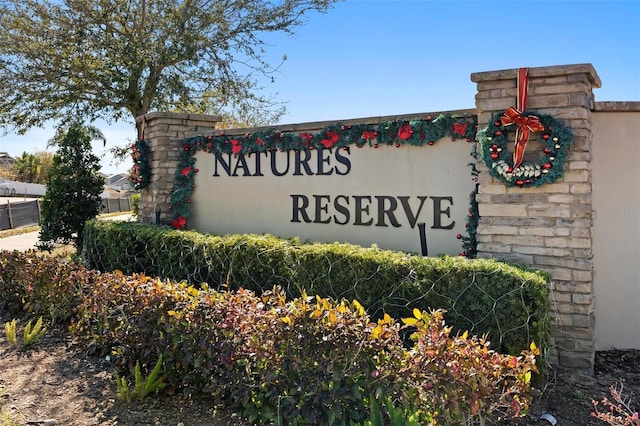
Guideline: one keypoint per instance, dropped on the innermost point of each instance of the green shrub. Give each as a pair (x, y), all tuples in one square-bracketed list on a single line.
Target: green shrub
[(153, 383), (135, 204), (508, 302)]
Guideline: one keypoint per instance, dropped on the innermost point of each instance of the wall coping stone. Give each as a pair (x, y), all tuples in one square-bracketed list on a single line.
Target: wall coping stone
[(179, 116), (611, 106), (554, 71), (292, 127)]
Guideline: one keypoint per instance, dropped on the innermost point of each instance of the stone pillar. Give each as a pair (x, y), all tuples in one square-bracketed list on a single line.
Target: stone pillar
[(163, 131), (548, 227)]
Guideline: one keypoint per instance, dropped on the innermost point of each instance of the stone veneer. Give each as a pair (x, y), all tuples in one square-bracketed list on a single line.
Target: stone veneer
[(548, 227), (164, 131)]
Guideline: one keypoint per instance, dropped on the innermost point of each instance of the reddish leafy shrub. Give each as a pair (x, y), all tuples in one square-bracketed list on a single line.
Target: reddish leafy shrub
[(203, 340), (310, 360), (317, 361), (459, 379), (43, 285), (123, 315)]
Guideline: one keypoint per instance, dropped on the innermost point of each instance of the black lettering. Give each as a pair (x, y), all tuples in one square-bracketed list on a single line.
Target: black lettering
[(340, 208), (360, 209), (241, 164), (404, 200), (301, 209), (344, 161), (382, 211), (322, 160), (274, 168), (258, 171), (225, 165), (438, 212), (304, 162), (320, 207)]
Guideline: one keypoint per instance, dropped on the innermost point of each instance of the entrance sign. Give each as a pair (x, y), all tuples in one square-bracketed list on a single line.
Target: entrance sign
[(404, 198)]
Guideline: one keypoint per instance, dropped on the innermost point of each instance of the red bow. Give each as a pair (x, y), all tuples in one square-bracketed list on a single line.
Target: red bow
[(526, 125), (331, 139), (179, 223), (405, 132), (236, 146)]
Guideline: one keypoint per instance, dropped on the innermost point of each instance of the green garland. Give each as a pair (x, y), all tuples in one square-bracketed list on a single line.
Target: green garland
[(416, 132), (549, 168), (469, 241), (140, 173)]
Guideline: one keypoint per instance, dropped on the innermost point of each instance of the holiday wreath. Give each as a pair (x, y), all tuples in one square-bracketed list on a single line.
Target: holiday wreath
[(493, 142), (510, 168)]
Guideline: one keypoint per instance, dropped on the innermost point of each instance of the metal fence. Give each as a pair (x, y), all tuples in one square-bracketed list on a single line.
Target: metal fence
[(16, 214)]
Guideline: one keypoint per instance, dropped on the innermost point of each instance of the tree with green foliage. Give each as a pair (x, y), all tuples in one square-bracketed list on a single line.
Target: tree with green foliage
[(74, 187), (45, 159), (30, 168), (112, 58)]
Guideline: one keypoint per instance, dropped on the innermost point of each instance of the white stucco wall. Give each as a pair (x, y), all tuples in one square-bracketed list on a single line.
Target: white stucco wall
[(616, 230), (274, 204)]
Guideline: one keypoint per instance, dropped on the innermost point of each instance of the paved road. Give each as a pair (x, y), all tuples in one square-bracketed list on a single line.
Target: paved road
[(22, 242), (29, 240)]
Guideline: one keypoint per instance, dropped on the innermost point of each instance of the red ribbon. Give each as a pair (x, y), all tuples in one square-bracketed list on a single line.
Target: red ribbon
[(525, 124)]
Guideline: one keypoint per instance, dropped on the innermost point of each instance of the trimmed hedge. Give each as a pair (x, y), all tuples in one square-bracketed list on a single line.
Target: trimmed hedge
[(509, 303)]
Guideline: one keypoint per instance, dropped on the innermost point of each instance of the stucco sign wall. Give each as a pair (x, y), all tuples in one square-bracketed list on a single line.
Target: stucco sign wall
[(406, 198)]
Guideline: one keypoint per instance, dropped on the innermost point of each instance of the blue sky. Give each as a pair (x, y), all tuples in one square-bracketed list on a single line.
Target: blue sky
[(384, 57)]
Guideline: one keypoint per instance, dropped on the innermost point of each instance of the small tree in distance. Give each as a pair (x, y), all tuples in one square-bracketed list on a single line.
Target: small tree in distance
[(74, 186)]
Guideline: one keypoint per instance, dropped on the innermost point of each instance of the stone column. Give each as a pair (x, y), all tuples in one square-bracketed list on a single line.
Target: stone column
[(548, 227), (164, 131)]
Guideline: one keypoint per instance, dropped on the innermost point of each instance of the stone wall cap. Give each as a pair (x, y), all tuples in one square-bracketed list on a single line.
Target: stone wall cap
[(549, 71), (623, 106), (318, 125), (179, 116)]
